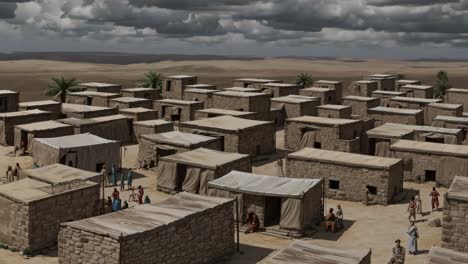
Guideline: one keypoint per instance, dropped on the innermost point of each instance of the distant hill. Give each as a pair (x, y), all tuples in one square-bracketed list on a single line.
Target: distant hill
[(112, 57)]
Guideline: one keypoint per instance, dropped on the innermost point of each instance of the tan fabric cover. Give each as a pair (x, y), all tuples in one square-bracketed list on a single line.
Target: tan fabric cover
[(192, 180), (382, 149), (167, 175), (308, 139), (291, 213), (205, 177), (452, 166), (451, 139)]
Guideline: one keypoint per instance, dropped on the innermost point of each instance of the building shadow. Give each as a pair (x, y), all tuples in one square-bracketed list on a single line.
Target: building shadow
[(266, 159), (247, 254), (404, 196), (322, 234)]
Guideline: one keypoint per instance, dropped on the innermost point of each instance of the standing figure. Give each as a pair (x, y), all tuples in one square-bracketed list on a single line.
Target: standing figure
[(398, 253), (16, 172), (279, 168), (35, 165), (141, 192), (412, 209), (413, 239), (418, 200), (147, 200), (253, 223), (9, 175), (115, 194), (330, 221), (434, 199), (114, 177), (105, 176), (125, 205), (122, 182), (339, 217), (365, 197), (129, 179)]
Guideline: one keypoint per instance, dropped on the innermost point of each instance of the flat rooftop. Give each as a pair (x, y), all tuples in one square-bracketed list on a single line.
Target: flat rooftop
[(201, 86), (79, 108), (74, 141), (458, 189), (177, 138), (135, 110), (139, 89), (333, 107), (257, 184), (95, 120), (240, 94), (147, 217), (281, 85), (38, 103), (438, 255), (23, 113), (151, 123), (417, 87), (206, 158), (359, 98), (381, 75), (225, 112), (344, 158), (395, 93), (452, 119), (390, 130), (446, 106), (40, 126), (430, 148), (391, 110), (304, 252), (179, 102), (227, 122), (129, 99), (365, 82), (98, 84), (58, 173), (407, 81), (242, 89), (8, 92), (256, 80), (93, 93), (415, 100), (317, 89), (328, 81), (323, 120), (294, 99), (457, 90), (200, 91), (180, 76)]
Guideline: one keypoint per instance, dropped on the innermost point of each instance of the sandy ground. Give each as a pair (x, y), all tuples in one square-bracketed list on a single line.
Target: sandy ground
[(374, 227), (31, 76)]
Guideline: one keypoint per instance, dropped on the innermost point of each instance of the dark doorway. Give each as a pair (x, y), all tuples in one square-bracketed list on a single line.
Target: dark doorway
[(372, 189), (89, 100), (317, 145), (333, 184), (430, 175), (272, 214), (168, 86), (99, 166), (435, 140), (3, 104), (181, 173)]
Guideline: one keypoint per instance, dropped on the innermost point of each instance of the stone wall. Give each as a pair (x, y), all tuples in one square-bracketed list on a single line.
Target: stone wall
[(187, 113), (14, 223), (11, 100), (144, 130), (455, 225), (457, 98), (385, 117), (259, 104), (335, 113), (205, 98), (276, 91), (177, 88), (360, 108), (92, 114), (146, 103), (203, 237), (326, 96), (352, 180), (253, 202), (7, 125), (55, 109), (338, 87), (152, 94), (433, 111)]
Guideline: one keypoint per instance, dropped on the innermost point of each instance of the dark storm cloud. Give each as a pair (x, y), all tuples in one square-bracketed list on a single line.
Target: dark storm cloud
[(409, 2), (7, 10)]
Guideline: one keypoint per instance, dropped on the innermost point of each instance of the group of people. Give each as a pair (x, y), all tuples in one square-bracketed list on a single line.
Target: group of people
[(334, 219), (415, 204), (399, 252), (113, 180), (13, 174), (115, 202)]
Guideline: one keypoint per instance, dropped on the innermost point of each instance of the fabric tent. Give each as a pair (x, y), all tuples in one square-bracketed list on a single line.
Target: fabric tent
[(382, 149), (298, 207), (308, 139)]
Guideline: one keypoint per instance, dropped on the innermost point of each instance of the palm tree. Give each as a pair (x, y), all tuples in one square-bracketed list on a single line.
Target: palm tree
[(60, 87), (304, 79), (442, 84), (152, 80)]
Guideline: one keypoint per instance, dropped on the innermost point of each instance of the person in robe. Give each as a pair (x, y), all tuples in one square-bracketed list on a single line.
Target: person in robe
[(141, 192), (398, 252), (339, 217), (413, 239), (16, 172), (279, 168), (105, 176), (113, 175), (9, 175), (253, 223), (129, 179), (115, 194), (330, 221), (412, 209), (434, 199), (147, 200), (418, 200), (122, 181)]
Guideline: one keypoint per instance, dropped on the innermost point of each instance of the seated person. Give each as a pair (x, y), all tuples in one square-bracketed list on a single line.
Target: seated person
[(252, 223), (330, 221)]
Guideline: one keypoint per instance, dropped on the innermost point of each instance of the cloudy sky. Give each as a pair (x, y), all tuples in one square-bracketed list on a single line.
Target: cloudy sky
[(336, 28)]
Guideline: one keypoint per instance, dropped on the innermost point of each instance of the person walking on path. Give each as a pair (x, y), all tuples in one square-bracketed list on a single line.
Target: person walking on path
[(129, 179), (418, 200), (412, 209), (105, 175), (141, 192), (413, 239), (122, 181), (279, 168), (434, 199), (113, 175)]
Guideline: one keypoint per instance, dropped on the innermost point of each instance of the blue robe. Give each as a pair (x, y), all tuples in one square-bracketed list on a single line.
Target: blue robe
[(116, 203), (114, 177), (413, 239), (130, 178)]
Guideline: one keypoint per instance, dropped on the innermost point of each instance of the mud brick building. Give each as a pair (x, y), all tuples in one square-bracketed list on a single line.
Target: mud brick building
[(384, 115), (332, 85), (292, 204), (454, 217), (244, 89), (294, 106), (280, 89), (8, 101), (457, 96), (114, 127), (191, 171), (101, 87), (200, 227), (151, 127), (244, 101), (239, 135), (323, 133), (428, 161), (306, 253), (55, 108), (201, 86), (400, 83), (130, 102), (86, 111), (154, 146), (139, 113), (348, 176), (380, 137), (334, 111), (326, 95), (214, 112), (173, 86), (45, 129), (385, 96), (33, 207), (91, 98), (414, 103), (252, 82), (453, 122), (364, 88), (441, 109), (83, 151), (145, 93), (360, 104), (385, 81), (200, 95), (177, 110), (419, 91), (438, 255), (8, 121)]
